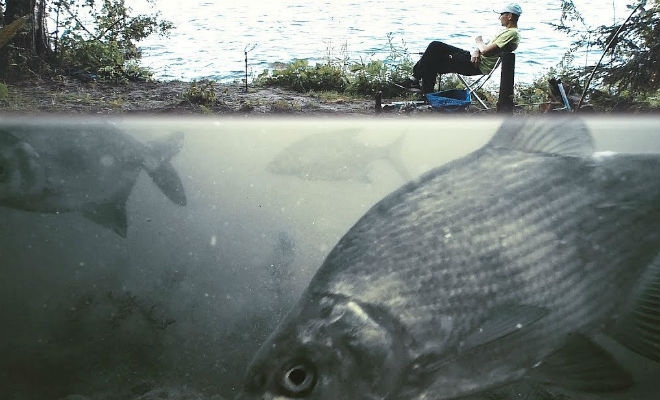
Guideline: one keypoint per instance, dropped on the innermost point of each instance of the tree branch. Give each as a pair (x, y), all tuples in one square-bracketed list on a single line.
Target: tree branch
[(75, 17)]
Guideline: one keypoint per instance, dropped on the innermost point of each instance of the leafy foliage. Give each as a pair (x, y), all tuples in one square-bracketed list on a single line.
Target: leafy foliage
[(300, 76), (202, 92), (106, 45), (92, 38), (343, 75), (630, 72), (635, 56)]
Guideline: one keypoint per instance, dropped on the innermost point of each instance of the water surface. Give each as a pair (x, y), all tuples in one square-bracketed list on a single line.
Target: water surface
[(210, 37)]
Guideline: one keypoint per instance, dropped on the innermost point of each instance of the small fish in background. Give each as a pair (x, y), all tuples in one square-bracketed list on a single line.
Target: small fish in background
[(90, 168), (498, 267), (335, 156)]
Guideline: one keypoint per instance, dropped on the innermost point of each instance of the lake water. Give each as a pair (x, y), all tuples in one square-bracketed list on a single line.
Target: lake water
[(211, 36)]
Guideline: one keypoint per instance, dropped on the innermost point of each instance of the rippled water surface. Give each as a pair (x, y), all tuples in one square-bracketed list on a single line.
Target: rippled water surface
[(210, 37)]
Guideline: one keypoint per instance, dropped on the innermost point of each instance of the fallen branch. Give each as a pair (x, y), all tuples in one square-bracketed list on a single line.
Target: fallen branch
[(8, 32)]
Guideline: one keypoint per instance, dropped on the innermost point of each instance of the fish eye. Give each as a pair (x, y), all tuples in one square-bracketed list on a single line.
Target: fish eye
[(299, 379)]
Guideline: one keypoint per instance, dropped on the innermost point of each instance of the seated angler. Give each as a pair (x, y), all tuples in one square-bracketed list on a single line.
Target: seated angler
[(441, 58)]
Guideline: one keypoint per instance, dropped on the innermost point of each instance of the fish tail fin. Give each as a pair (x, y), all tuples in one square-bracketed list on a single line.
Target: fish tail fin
[(394, 157), (158, 166), (564, 136)]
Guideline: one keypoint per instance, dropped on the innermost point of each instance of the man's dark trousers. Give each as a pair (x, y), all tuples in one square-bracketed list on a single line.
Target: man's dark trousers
[(441, 58)]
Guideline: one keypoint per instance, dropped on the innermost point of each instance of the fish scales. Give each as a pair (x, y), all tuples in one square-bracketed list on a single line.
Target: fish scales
[(486, 239), (457, 282), (479, 269)]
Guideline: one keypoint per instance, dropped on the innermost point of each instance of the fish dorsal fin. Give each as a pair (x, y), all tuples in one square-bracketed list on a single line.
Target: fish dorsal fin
[(109, 215), (639, 330), (562, 136), (582, 365), (504, 321)]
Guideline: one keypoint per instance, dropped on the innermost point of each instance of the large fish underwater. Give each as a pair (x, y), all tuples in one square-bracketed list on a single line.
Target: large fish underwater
[(336, 156), (499, 267), (90, 168)]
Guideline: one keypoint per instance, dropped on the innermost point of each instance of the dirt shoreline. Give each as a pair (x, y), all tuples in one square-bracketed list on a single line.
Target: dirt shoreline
[(158, 97)]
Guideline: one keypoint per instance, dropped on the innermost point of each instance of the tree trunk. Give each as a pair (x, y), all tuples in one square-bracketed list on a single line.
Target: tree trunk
[(30, 47)]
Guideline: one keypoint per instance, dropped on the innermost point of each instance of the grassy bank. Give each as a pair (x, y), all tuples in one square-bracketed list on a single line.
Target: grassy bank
[(364, 79), (298, 87)]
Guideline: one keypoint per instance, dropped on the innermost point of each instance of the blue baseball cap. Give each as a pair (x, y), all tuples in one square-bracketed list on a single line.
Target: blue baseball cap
[(512, 8)]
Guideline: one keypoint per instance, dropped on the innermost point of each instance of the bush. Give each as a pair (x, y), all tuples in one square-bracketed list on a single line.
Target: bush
[(298, 75), (377, 76), (630, 71), (363, 78), (106, 47), (106, 61), (202, 92)]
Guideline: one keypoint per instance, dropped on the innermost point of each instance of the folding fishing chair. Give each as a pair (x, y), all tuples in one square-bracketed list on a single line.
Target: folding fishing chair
[(557, 91), (479, 83)]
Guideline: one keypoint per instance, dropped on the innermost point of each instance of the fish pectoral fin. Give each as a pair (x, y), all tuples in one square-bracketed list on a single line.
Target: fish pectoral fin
[(582, 365), (504, 321), (639, 330), (524, 389), (109, 215), (421, 373), (564, 136)]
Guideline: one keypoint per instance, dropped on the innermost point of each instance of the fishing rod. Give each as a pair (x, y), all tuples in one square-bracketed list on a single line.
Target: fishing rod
[(586, 85)]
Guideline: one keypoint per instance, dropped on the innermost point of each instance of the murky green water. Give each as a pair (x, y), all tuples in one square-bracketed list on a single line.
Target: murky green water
[(189, 294)]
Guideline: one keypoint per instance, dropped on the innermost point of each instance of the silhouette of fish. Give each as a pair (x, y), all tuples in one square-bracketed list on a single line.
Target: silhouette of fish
[(335, 156), (497, 267), (84, 167)]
